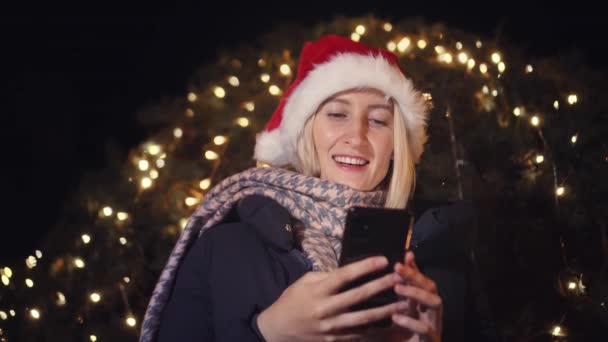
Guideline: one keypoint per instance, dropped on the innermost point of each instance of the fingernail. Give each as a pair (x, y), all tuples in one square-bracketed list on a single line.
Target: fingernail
[(402, 305), (397, 278), (381, 261)]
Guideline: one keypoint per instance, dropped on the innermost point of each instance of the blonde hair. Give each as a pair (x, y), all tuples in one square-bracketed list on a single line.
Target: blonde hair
[(402, 172)]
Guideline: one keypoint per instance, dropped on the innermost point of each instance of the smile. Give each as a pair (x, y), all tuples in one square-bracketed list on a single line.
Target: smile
[(347, 160)]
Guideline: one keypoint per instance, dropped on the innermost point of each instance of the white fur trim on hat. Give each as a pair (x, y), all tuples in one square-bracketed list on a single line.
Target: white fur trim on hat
[(343, 72)]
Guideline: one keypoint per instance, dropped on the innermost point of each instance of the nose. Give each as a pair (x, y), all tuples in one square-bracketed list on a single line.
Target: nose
[(356, 132)]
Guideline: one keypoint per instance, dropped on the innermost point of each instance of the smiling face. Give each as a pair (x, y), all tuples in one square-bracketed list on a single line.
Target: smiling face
[(353, 137)]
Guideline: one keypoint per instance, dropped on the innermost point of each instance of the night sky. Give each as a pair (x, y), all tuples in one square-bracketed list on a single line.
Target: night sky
[(70, 83)]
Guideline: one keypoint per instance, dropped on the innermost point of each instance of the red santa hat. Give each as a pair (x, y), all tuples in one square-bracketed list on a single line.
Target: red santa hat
[(328, 66)]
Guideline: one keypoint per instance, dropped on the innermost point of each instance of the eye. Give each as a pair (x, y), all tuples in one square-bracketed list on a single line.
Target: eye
[(377, 122), (336, 115)]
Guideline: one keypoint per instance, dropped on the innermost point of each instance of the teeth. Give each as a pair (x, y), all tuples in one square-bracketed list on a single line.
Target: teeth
[(349, 160)]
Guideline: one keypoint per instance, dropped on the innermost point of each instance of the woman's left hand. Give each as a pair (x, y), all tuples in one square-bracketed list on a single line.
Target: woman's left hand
[(422, 320)]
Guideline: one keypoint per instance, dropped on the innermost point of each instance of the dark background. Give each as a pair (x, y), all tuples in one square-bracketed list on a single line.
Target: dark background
[(71, 82)]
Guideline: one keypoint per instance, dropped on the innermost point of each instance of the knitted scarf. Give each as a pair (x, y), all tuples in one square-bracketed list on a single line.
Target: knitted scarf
[(319, 204)]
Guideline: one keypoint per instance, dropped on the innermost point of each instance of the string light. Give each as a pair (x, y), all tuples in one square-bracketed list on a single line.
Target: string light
[(7, 271), (421, 44), (483, 68), (29, 283), (35, 313), (121, 215), (285, 69), (189, 113), (160, 163), (38, 254), (261, 62), (494, 92), (107, 211), (502, 67), (126, 279), (3, 315), (535, 120), (183, 222), (572, 99), (30, 262), (122, 240), (529, 69), (143, 165), (463, 58), (242, 121), (79, 263), (249, 106), (60, 299), (471, 64), (131, 321), (439, 49), (458, 46), (192, 97), (153, 149), (265, 78), (234, 81), (360, 29), (403, 44), (391, 46), (95, 297), (571, 285), (93, 338), (12, 313), (574, 139), (496, 58), (153, 174), (219, 92), (190, 201), (146, 182), (5, 280), (485, 89), (540, 158), (556, 104), (517, 111), (274, 90), (178, 133), (560, 191), (219, 140), (558, 331), (388, 27), (355, 36), (478, 44), (205, 183), (210, 155), (445, 57)]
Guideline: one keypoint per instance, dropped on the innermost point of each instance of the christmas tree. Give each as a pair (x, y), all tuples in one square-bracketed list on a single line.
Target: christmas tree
[(520, 137)]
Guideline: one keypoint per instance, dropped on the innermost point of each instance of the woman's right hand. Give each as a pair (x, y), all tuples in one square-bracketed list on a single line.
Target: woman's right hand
[(313, 309)]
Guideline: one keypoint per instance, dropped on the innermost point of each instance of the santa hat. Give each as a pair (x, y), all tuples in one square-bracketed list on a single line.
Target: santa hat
[(328, 66)]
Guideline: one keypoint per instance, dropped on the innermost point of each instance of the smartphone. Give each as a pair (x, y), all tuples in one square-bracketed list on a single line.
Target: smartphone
[(373, 232)]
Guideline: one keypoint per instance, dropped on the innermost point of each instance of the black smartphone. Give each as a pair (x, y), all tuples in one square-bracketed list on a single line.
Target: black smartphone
[(372, 232)]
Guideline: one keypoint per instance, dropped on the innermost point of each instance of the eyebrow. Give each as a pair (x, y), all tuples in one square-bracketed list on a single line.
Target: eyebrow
[(372, 106)]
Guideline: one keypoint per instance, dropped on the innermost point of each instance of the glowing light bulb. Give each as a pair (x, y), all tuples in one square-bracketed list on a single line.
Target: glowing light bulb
[(463, 58), (439, 49), (126, 279), (121, 216), (471, 64), (60, 299), (178, 133), (12, 313), (219, 140), (421, 44), (572, 99), (153, 149), (574, 138), (30, 262), (107, 211), (7, 271), (189, 113), (190, 201), (355, 37), (5, 280), (35, 314), (131, 321), (478, 44), (274, 90), (502, 67), (79, 263), (445, 57), (95, 297), (391, 46), (143, 165), (234, 81), (485, 89), (360, 29), (38, 254), (210, 155), (219, 92), (403, 44), (388, 27), (556, 104), (192, 97), (529, 69), (540, 158), (183, 222), (146, 182), (557, 331), (205, 183), (3, 316), (250, 106), (494, 92), (517, 111), (261, 62), (560, 191), (458, 45), (535, 120), (122, 240), (29, 282), (496, 58), (160, 163), (483, 68), (571, 285), (285, 69), (265, 78), (93, 338), (243, 122)]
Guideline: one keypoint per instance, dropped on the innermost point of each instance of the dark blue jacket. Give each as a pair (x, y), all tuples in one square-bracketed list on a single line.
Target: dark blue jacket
[(241, 266)]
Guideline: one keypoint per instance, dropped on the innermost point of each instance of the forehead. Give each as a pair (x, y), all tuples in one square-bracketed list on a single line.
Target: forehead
[(368, 94)]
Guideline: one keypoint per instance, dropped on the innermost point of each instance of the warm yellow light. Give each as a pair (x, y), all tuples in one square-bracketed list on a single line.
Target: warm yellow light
[(107, 211), (427, 96), (153, 149), (471, 64), (502, 67), (560, 191), (219, 140), (360, 29), (210, 155), (219, 92), (517, 111), (192, 97), (7, 271), (556, 104), (496, 58), (388, 27), (535, 120), (243, 122), (60, 299), (485, 89), (38, 254), (5, 280), (403, 44), (143, 165), (571, 285), (146, 182), (285, 69), (483, 68), (458, 45), (391, 46), (95, 297), (265, 78), (126, 279), (540, 158), (478, 44), (131, 321), (35, 313), (189, 113), (160, 163), (190, 201), (250, 106), (494, 92), (274, 90), (439, 49), (234, 81), (445, 58), (30, 262), (557, 331), (121, 215), (261, 62), (574, 139), (572, 99), (29, 282), (529, 69), (205, 183), (421, 44), (177, 132), (93, 338), (463, 58), (79, 263), (355, 36), (12, 313), (3, 315), (122, 240), (183, 222)]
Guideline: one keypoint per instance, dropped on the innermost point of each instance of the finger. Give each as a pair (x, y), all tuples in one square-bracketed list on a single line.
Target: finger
[(422, 296), (414, 277), (346, 274), (346, 337), (355, 319), (416, 326), (410, 259), (342, 301), (314, 276)]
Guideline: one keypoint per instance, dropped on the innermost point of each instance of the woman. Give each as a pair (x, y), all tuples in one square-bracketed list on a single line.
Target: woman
[(258, 259)]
